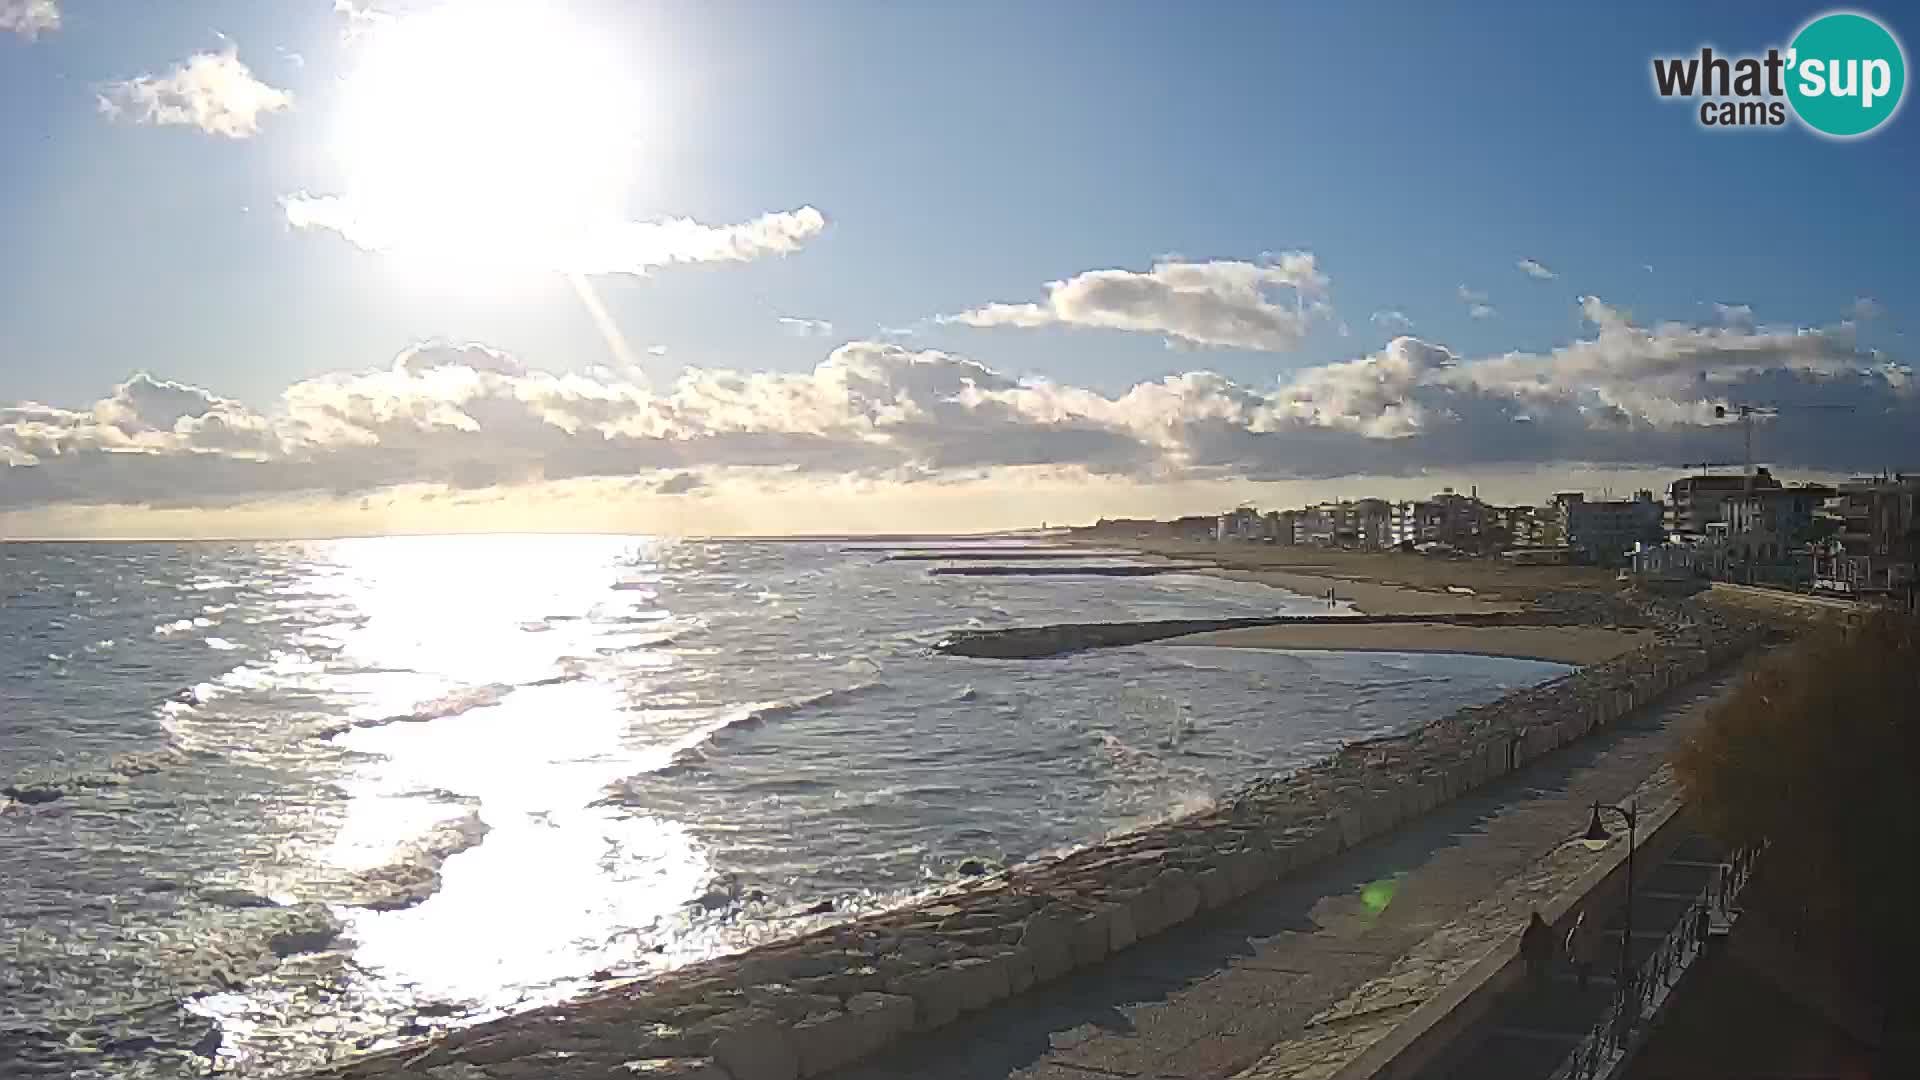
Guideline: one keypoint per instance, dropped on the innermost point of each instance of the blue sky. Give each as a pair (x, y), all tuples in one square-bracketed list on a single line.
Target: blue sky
[(963, 155)]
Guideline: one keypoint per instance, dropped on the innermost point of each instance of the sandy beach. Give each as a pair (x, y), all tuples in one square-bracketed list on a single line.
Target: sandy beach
[(1560, 644), (1376, 583), (1370, 597), (1394, 583)]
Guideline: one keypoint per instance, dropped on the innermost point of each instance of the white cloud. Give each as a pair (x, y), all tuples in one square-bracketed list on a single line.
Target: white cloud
[(1866, 307), (1228, 304), (806, 328), (469, 417), (363, 17), (679, 483), (627, 247), (656, 350), (1393, 322), (29, 18), (1534, 268), (1476, 301), (214, 92), (1734, 314)]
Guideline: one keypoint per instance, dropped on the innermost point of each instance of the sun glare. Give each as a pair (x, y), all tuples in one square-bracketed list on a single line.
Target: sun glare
[(486, 137)]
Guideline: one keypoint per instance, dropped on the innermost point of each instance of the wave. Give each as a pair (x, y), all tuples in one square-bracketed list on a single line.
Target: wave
[(614, 644), (1378, 684), (774, 710), (414, 874), (690, 750), (46, 786), (652, 615), (446, 705), (162, 1012)]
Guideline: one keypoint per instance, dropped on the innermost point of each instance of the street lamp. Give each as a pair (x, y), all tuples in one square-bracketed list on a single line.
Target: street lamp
[(1597, 838)]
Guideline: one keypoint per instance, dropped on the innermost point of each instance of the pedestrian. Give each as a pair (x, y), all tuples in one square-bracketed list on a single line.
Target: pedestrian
[(1702, 925), (1580, 948), (1536, 949)]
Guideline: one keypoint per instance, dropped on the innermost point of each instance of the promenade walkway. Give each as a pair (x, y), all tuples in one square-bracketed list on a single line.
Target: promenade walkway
[(1535, 1029), (1298, 979)]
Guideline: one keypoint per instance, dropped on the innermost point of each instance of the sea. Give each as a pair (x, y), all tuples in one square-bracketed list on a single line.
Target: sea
[(275, 803)]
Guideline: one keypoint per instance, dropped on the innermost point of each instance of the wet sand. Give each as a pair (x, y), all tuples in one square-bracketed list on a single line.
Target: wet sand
[(1560, 644)]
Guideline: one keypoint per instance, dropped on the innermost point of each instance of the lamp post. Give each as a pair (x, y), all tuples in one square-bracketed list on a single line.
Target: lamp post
[(1597, 838)]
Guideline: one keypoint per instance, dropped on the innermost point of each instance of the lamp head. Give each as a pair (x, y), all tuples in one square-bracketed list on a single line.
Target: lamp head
[(1597, 835)]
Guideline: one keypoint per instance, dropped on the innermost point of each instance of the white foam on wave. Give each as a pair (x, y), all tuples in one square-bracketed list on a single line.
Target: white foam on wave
[(450, 704), (689, 748)]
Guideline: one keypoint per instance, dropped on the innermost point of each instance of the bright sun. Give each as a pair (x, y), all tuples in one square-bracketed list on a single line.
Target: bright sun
[(487, 136)]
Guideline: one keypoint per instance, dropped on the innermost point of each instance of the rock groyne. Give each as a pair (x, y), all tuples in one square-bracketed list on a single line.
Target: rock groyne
[(1059, 639)]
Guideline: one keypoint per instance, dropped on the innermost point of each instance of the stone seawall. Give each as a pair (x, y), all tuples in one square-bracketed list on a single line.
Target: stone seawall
[(1059, 639), (807, 1006)]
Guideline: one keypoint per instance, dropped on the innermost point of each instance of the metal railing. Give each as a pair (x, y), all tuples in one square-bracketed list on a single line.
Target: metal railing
[(1614, 1036)]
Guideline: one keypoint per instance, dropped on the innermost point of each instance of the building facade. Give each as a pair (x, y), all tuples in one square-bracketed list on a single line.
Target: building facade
[(1694, 502), (1603, 531), (1877, 549), (1243, 523), (1769, 525)]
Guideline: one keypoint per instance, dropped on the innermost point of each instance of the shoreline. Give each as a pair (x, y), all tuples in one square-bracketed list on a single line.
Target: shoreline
[(1365, 597), (1377, 582), (1575, 645), (808, 1006)]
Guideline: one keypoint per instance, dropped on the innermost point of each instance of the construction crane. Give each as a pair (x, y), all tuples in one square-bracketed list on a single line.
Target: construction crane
[(1747, 412)]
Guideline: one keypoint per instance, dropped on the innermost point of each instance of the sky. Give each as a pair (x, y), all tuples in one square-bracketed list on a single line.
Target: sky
[(351, 266)]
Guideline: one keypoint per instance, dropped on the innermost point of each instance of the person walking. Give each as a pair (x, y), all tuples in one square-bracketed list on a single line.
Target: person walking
[(1580, 949), (1536, 949)]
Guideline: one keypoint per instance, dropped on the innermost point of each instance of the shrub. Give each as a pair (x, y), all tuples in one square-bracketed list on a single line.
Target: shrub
[(1818, 754)]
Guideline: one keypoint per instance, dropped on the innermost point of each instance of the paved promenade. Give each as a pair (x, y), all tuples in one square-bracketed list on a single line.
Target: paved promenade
[(1296, 980), (1537, 1026)]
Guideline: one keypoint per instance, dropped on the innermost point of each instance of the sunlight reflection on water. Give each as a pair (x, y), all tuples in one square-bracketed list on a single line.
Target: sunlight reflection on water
[(512, 766)]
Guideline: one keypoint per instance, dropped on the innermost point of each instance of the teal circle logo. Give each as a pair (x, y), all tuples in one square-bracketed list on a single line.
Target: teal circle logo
[(1846, 74)]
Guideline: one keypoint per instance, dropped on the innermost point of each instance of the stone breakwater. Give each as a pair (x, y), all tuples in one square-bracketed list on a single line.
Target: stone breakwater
[(1059, 639), (805, 1007)]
